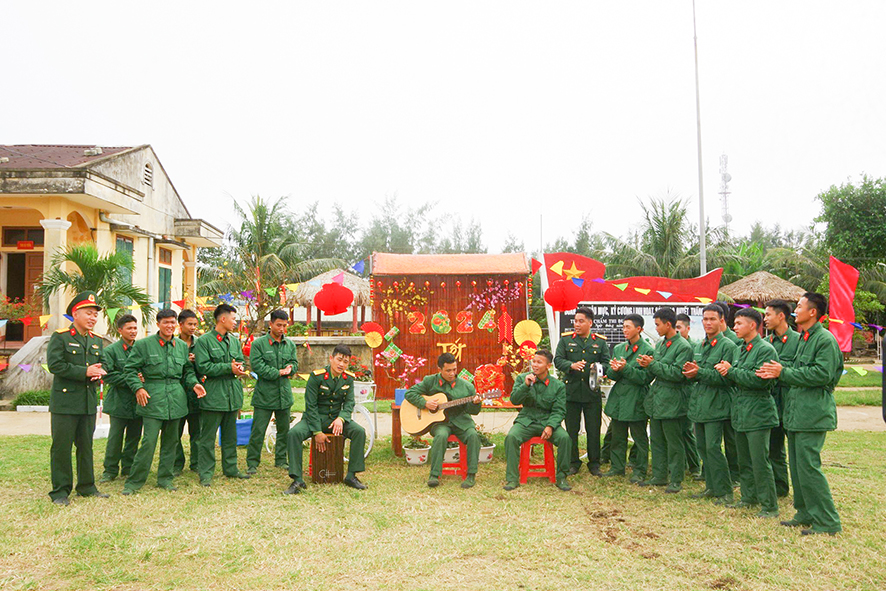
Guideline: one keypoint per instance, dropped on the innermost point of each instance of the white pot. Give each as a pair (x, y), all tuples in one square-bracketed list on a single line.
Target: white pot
[(101, 431), (451, 456), (486, 454), (25, 408), (417, 457)]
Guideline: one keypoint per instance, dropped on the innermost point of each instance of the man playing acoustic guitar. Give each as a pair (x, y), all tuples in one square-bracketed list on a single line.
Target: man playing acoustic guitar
[(458, 420)]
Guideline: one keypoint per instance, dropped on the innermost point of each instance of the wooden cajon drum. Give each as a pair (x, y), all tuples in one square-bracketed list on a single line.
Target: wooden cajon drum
[(328, 467)]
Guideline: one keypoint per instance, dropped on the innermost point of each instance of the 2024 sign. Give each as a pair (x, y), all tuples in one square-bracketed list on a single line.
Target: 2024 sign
[(442, 324)]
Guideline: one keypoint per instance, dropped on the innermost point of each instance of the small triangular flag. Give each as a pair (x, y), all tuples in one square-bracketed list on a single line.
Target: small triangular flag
[(831, 319), (704, 300), (860, 370), (112, 313), (845, 372), (578, 281), (45, 367), (557, 268), (3, 323), (598, 280), (642, 290), (132, 307), (291, 286), (44, 319), (24, 367), (621, 286), (340, 279), (760, 310), (359, 266), (855, 324), (536, 265), (179, 303)]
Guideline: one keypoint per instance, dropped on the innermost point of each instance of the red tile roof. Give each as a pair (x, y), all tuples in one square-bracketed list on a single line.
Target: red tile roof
[(50, 156), (449, 264)]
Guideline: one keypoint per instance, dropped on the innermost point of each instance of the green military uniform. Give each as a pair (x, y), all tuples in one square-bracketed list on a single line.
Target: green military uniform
[(119, 404), (710, 406), (544, 405), (730, 334), (458, 420), (272, 395), (72, 404), (168, 374), (729, 444), (327, 398), (786, 347), (213, 355), (753, 415), (809, 413), (666, 405), (625, 406), (193, 421), (580, 400), (690, 445)]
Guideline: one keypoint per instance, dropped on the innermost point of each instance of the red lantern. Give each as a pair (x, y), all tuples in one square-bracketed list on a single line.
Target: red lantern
[(507, 282), (333, 298), (489, 282), (427, 283), (473, 284), (411, 284), (563, 295), (443, 285), (379, 284), (458, 284)]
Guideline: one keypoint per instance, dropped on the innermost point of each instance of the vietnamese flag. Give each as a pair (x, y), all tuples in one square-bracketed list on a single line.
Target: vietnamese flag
[(566, 265), (843, 281)]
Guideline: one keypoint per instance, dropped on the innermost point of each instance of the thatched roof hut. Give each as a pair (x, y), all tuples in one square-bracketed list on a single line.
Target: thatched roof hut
[(760, 287), (305, 292)]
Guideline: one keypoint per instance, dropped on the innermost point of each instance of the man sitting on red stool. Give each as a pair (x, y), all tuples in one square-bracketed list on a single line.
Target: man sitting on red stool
[(544, 406)]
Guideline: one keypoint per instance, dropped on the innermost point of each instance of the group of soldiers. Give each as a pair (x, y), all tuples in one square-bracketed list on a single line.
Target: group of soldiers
[(720, 407), (160, 382)]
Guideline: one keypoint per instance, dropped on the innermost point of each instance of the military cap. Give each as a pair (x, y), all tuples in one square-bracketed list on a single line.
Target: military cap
[(84, 299)]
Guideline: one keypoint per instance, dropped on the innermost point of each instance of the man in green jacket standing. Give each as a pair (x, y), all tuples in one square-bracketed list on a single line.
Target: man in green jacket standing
[(218, 359), (544, 406), (458, 420), (162, 361), (753, 413), (625, 405), (710, 404), (187, 328), (274, 359), (667, 402), (119, 403), (576, 351), (329, 404), (809, 413), (729, 445), (693, 460), (73, 357), (785, 341)]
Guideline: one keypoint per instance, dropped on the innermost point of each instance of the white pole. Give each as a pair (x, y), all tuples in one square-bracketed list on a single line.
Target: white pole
[(702, 250)]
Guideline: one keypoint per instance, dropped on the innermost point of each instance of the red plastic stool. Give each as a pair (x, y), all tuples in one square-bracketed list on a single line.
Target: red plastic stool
[(461, 466), (528, 469)]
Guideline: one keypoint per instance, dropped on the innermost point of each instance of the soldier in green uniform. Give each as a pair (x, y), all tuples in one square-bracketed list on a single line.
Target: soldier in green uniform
[(753, 413), (785, 341), (119, 403), (729, 445), (809, 413), (74, 360), (710, 404), (329, 404), (218, 360), (544, 406), (576, 351), (161, 360), (693, 460), (274, 359), (625, 405), (667, 402), (187, 327), (458, 420)]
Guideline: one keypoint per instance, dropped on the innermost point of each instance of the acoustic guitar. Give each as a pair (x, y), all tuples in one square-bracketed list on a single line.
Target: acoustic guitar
[(418, 421)]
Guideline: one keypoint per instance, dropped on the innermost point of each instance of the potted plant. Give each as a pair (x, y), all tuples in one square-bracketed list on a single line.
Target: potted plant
[(451, 455), (605, 387), (417, 451), (486, 446), (364, 387), (400, 372)]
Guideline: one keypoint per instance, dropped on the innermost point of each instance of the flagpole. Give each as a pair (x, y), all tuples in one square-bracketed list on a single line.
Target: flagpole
[(553, 330), (702, 247)]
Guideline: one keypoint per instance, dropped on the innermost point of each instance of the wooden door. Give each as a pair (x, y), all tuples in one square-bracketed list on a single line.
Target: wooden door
[(33, 271)]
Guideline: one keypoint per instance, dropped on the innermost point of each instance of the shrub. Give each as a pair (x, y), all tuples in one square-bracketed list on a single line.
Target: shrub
[(32, 398)]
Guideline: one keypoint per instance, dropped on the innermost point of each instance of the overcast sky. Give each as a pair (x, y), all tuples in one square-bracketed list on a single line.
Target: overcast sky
[(501, 111)]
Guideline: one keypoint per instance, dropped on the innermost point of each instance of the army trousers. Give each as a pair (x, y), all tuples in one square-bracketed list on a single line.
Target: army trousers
[(812, 495), (639, 455), (731, 451), (123, 438), (778, 459), (260, 419), (755, 471), (593, 415), (441, 433), (716, 470), (193, 422), (668, 451), (211, 422), (693, 460), (301, 431), (520, 434), (153, 429), (68, 431)]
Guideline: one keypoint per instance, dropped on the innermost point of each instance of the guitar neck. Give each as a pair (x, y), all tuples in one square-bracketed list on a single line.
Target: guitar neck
[(467, 399)]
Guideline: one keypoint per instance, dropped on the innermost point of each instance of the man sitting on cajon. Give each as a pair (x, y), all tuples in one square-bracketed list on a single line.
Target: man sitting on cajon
[(329, 403), (544, 407)]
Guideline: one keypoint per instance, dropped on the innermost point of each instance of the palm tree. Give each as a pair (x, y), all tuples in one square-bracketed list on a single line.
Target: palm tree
[(97, 273), (261, 254)]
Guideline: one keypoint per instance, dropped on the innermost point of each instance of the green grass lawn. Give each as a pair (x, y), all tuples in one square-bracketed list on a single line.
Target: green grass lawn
[(858, 397), (399, 534), (853, 380)]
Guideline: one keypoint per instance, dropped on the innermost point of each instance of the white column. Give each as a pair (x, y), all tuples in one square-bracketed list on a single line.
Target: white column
[(190, 285), (55, 240)]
